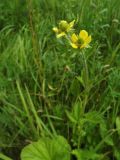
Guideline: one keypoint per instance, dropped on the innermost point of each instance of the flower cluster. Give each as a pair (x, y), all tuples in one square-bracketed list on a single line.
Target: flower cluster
[(80, 40)]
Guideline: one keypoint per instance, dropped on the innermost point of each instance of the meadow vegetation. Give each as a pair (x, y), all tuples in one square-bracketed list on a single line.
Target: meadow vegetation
[(51, 106)]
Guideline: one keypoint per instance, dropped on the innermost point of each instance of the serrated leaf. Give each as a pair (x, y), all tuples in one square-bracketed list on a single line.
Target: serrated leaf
[(85, 154), (93, 117), (70, 117), (76, 114), (77, 111), (104, 134)]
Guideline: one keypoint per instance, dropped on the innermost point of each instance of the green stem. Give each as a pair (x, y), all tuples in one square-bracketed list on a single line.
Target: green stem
[(86, 85), (79, 137), (86, 81)]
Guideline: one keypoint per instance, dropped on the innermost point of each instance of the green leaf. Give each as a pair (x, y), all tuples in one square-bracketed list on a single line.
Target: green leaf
[(70, 116), (80, 79), (118, 124), (3, 157), (86, 154), (77, 110), (117, 154), (75, 88), (47, 149), (93, 117), (76, 114), (104, 134)]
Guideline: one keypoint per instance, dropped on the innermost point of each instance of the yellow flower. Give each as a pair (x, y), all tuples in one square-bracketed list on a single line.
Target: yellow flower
[(63, 28), (80, 41)]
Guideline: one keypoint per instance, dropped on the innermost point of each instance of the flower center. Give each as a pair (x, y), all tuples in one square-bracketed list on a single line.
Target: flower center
[(80, 41), (63, 25)]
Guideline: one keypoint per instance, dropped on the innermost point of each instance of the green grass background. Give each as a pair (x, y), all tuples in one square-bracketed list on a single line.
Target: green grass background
[(38, 96)]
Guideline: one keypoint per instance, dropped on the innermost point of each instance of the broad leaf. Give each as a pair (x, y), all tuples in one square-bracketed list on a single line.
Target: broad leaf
[(4, 157), (47, 149)]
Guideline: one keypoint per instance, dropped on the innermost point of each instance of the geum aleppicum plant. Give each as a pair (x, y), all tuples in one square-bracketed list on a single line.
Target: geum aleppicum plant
[(79, 42)]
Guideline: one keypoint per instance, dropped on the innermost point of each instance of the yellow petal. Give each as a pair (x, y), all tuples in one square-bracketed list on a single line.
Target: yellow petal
[(71, 24), (88, 40), (74, 38), (74, 45), (55, 29), (61, 34), (83, 34)]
